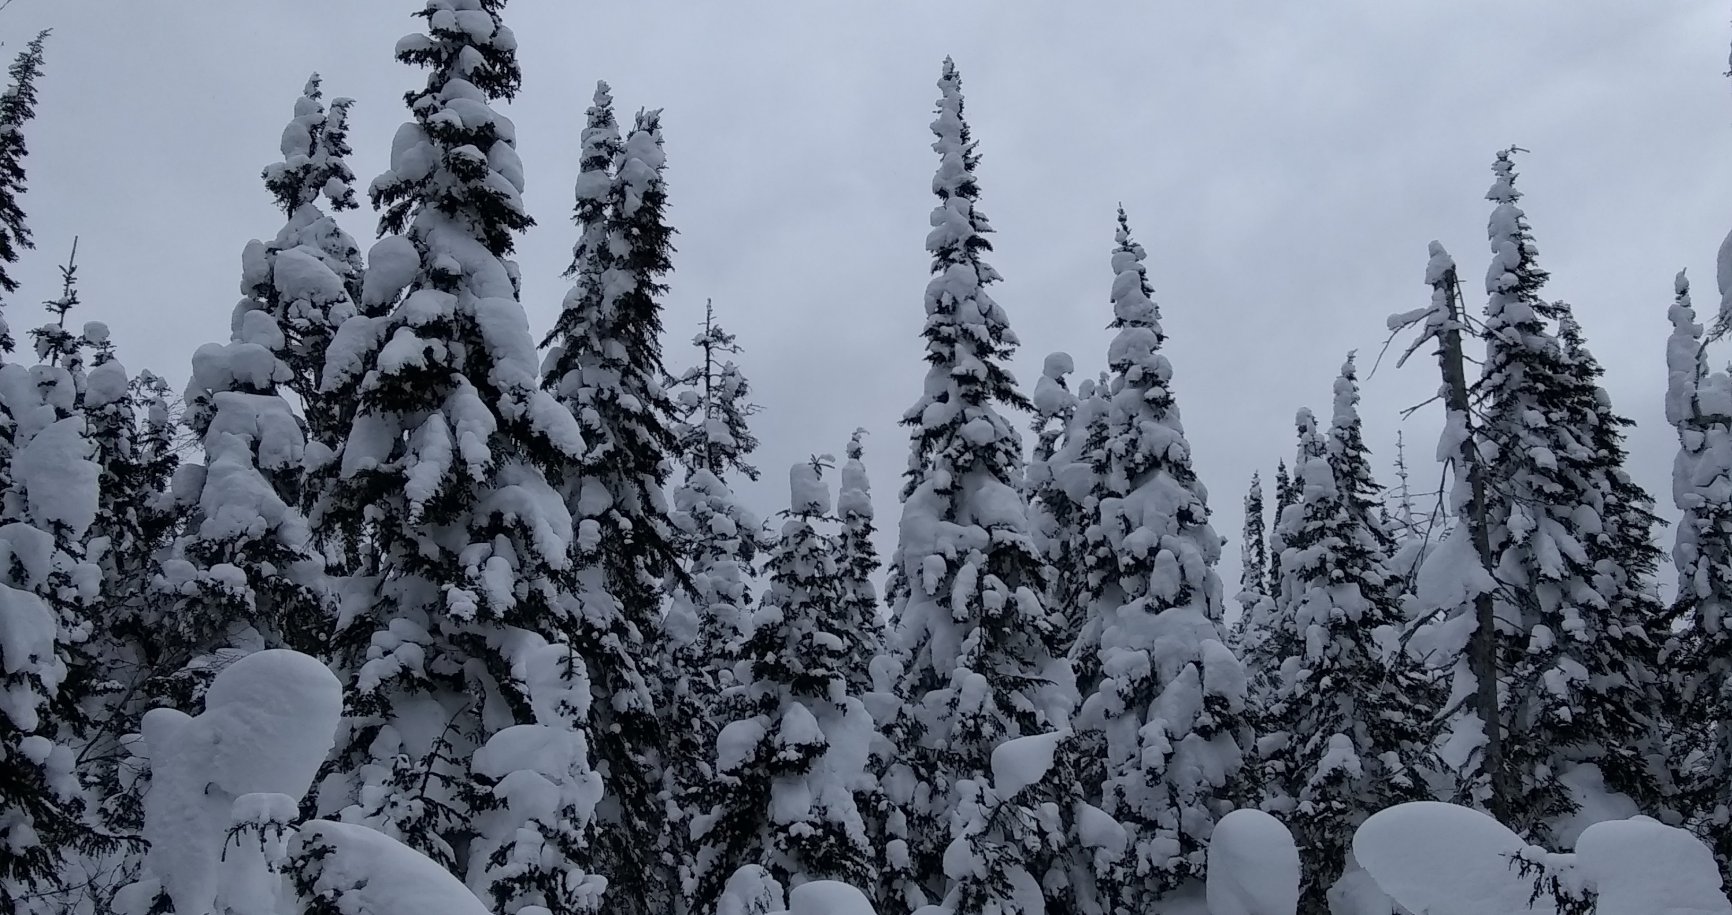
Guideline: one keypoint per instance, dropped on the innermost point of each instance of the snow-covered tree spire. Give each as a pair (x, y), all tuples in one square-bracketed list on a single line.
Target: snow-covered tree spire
[(1253, 551), (970, 620), (604, 365), (459, 635), (1174, 731), (1699, 406), (856, 563), (1570, 542)]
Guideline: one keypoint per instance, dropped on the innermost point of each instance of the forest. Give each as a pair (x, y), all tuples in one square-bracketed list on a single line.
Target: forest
[(405, 606)]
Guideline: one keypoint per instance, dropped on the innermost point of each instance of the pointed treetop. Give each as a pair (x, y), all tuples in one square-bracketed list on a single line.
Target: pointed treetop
[(1684, 363), (1503, 188), (315, 147), (465, 41), (854, 444), (1346, 395), (1133, 305)]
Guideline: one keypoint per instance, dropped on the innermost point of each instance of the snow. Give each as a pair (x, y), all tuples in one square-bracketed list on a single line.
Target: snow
[(1642, 867), (1023, 761), (828, 897), (58, 477), (270, 719), (1442, 859), (1253, 866), (358, 870)]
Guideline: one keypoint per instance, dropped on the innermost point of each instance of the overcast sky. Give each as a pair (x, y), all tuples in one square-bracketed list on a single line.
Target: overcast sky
[(1285, 164)]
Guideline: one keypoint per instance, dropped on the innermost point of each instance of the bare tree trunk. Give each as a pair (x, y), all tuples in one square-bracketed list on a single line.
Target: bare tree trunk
[(1482, 650)]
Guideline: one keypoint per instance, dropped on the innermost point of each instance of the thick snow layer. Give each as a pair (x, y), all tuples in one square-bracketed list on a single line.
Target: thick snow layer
[(58, 477), (1023, 761), (365, 872), (751, 890), (1642, 867), (1442, 859), (828, 897), (1253, 866), (270, 719)]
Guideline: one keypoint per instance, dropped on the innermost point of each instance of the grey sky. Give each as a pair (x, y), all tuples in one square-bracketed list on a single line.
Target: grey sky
[(1285, 164)]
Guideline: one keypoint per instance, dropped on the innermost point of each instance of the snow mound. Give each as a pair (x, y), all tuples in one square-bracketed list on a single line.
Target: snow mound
[(1443, 859), (1643, 867), (1253, 866), (361, 871), (1023, 761), (828, 897)]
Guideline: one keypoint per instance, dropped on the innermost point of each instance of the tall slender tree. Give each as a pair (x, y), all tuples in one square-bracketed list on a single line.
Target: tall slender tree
[(856, 563), (1699, 406), (970, 622), (605, 365), (709, 611), (1169, 701), (17, 108), (461, 636), (1567, 538), (1349, 730)]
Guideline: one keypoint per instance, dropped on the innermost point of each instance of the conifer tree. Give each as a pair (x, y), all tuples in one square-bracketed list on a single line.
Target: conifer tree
[(1170, 700), (1699, 406), (604, 364), (1285, 495), (792, 749), (462, 644), (970, 621), (1569, 542), (1253, 553), (1348, 726), (17, 108), (719, 537), (856, 563)]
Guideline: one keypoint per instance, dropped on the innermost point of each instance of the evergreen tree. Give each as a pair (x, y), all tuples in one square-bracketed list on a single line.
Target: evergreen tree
[(1285, 495), (719, 537), (1348, 727), (1568, 543), (1253, 554), (1170, 699), (970, 621), (792, 749), (17, 108), (1699, 406), (605, 365), (462, 637), (856, 563), (48, 593)]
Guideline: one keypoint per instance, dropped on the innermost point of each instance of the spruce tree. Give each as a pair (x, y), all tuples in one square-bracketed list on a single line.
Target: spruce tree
[(856, 563), (1348, 727), (709, 609), (1285, 495), (1253, 554), (971, 624), (48, 600), (605, 365), (1699, 407), (1568, 545), (792, 748), (17, 108), (462, 633), (1173, 729)]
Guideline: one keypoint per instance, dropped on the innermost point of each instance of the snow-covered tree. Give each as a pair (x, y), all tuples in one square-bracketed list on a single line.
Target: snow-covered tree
[(856, 563), (971, 624), (17, 108), (1169, 701), (1699, 406), (462, 635), (48, 599), (1578, 659), (604, 364), (708, 609), (1285, 495), (1347, 728), (1253, 553), (792, 749), (1060, 469)]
